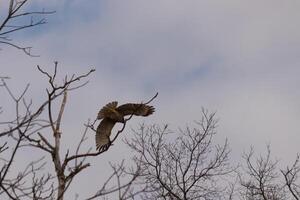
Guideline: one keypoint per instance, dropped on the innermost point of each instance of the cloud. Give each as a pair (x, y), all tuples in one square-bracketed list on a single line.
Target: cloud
[(166, 40)]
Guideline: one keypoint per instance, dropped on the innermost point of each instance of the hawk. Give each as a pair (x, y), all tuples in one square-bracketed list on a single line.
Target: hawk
[(111, 113)]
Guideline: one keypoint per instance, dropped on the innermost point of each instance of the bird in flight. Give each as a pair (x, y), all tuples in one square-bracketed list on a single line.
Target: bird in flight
[(111, 113)]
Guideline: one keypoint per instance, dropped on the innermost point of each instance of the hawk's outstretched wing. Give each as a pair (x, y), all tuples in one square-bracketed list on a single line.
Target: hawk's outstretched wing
[(103, 132), (135, 109)]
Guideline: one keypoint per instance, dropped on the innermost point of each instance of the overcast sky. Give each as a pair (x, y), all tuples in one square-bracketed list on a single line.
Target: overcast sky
[(238, 58)]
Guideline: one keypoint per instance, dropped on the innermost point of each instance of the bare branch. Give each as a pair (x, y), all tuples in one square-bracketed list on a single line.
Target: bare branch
[(14, 12), (124, 190)]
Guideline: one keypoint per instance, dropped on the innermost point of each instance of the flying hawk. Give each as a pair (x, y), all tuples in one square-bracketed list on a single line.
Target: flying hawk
[(111, 114)]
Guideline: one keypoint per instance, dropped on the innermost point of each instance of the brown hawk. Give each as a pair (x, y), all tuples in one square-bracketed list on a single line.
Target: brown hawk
[(111, 114)]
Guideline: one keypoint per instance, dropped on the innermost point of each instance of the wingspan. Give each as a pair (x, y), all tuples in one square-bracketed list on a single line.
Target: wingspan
[(111, 114)]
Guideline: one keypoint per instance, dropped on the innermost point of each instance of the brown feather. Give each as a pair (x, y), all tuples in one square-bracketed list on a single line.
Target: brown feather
[(107, 110), (135, 109), (103, 132)]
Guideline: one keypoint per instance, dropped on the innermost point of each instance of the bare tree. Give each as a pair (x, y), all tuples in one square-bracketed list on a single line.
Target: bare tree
[(291, 175), (13, 21), (189, 167), (260, 178), (21, 132)]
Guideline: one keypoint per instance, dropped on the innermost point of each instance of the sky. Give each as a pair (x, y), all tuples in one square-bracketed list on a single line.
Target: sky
[(240, 59)]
